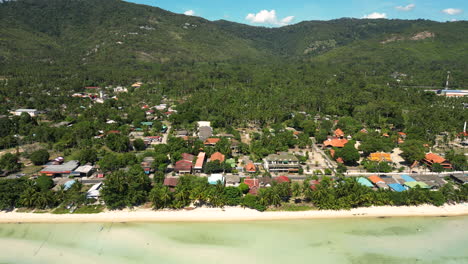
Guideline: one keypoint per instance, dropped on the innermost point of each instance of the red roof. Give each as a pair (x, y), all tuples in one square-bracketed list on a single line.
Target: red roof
[(251, 182), (250, 167), (401, 133), (217, 156), (335, 142), (212, 141), (171, 181), (332, 153), (313, 184), (200, 160), (188, 157), (281, 179), (113, 132), (339, 133), (340, 160), (183, 165)]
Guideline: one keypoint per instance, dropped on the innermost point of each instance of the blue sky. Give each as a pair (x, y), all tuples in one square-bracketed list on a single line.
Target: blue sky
[(281, 12)]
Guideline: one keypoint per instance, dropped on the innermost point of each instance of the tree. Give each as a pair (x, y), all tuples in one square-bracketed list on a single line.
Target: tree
[(232, 195), (87, 155), (437, 167), (413, 150), (349, 153), (244, 188), (160, 196), (44, 183), (39, 157), (10, 162), (139, 144), (117, 142)]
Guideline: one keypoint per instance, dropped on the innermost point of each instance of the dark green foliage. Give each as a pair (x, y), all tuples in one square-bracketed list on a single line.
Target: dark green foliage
[(87, 155), (39, 157), (253, 202), (139, 144), (10, 162), (374, 166), (413, 150), (244, 188), (232, 195), (348, 153), (44, 183), (117, 142)]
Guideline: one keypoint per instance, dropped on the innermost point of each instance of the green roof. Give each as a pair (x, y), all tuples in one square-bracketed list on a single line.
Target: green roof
[(415, 183), (147, 123), (365, 182)]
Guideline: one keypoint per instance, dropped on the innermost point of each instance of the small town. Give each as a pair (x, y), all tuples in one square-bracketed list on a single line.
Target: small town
[(298, 154)]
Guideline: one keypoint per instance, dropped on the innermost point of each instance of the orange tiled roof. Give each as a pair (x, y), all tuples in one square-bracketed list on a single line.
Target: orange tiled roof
[(211, 141), (332, 153), (250, 167), (340, 160), (375, 179), (217, 156), (380, 156), (335, 142), (339, 133), (434, 158)]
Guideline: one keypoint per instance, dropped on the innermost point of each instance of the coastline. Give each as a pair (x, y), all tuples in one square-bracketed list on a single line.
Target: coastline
[(232, 214)]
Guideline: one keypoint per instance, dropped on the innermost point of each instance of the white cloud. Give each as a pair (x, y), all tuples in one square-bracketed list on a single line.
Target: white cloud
[(375, 15), (189, 13), (452, 11), (406, 8), (268, 17)]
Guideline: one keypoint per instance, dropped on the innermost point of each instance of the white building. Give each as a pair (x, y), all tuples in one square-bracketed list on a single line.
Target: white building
[(31, 112)]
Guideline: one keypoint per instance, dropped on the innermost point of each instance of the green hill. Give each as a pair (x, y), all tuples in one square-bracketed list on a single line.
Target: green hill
[(109, 40)]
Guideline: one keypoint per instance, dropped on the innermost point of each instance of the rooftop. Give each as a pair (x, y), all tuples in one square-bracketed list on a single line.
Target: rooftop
[(282, 156), (64, 168)]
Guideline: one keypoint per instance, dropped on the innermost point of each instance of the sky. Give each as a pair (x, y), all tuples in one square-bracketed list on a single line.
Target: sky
[(273, 13)]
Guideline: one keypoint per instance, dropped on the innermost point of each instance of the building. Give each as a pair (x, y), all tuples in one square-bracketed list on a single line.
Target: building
[(415, 184), (171, 182), (94, 192), (281, 179), (31, 112), (335, 142), (198, 168), (453, 93), (253, 184), (216, 178), (217, 156), (232, 180), (282, 162), (407, 178), (250, 168), (339, 133), (183, 167), (397, 187), (461, 179), (83, 171), (379, 182), (204, 130), (380, 157), (365, 182), (211, 141), (64, 169), (430, 159), (188, 157)]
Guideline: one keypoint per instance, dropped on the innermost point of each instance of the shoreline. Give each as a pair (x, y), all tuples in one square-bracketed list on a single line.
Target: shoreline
[(234, 214)]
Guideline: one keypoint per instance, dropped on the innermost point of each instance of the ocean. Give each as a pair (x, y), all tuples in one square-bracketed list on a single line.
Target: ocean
[(376, 240)]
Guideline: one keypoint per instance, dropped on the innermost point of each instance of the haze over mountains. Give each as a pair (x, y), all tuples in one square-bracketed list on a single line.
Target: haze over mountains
[(88, 34)]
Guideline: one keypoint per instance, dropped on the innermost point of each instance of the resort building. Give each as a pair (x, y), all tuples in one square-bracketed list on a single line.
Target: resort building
[(198, 168), (430, 159), (94, 191), (216, 178), (335, 142), (282, 162), (380, 157)]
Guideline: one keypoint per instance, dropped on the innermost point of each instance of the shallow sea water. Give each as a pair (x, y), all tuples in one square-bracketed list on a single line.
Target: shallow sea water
[(377, 240)]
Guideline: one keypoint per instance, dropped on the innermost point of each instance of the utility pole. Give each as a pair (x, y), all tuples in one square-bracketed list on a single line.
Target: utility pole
[(448, 78)]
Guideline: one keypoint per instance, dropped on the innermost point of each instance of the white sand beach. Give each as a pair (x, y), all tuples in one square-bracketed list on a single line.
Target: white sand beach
[(232, 214)]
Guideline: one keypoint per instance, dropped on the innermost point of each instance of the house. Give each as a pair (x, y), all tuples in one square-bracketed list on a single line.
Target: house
[(379, 182), (153, 139), (335, 142), (402, 135), (265, 181), (217, 156), (181, 133), (215, 178), (253, 184), (339, 133), (147, 164), (211, 141), (365, 182), (250, 168), (397, 187), (183, 167), (415, 184), (232, 180), (199, 163), (137, 85), (204, 133), (380, 157), (188, 157), (31, 112), (282, 179), (64, 169), (430, 159), (282, 162), (171, 182), (407, 178), (94, 191), (83, 171)]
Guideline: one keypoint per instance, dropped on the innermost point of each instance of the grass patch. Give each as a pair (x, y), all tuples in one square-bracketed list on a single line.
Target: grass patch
[(293, 207), (31, 170), (90, 209), (61, 210), (24, 210), (38, 211)]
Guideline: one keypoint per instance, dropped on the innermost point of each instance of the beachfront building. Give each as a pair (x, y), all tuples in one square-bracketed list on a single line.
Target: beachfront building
[(216, 178), (232, 180), (198, 168), (281, 162), (377, 181), (254, 185), (94, 192), (64, 169), (365, 182)]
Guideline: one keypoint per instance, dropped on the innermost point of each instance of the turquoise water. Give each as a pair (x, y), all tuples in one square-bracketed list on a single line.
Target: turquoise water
[(389, 240)]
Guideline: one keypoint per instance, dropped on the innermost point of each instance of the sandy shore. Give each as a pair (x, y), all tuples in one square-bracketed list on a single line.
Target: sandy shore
[(231, 214)]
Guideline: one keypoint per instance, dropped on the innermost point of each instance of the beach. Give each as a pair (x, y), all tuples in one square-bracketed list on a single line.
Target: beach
[(232, 214)]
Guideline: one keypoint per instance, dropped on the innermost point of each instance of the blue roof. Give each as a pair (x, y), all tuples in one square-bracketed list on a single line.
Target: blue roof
[(397, 187), (68, 185), (407, 178), (365, 182)]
